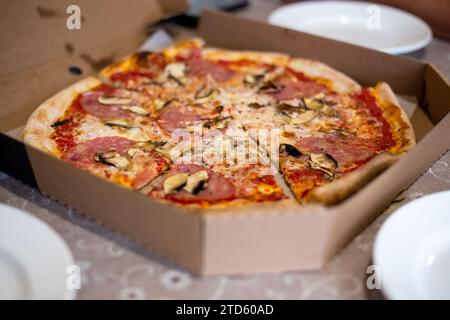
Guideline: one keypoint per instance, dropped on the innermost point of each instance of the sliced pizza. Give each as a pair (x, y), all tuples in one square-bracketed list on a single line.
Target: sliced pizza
[(208, 127)]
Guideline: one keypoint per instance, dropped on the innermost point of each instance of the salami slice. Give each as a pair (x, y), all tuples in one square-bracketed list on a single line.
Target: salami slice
[(131, 75), (202, 68), (89, 102), (198, 67), (84, 153), (298, 89), (175, 117), (218, 187), (348, 152)]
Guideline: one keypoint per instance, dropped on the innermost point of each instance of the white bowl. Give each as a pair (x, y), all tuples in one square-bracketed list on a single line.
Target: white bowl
[(412, 250), (366, 24), (34, 260)]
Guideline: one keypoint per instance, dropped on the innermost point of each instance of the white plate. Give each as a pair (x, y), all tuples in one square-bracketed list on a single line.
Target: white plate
[(362, 23), (33, 258), (412, 250)]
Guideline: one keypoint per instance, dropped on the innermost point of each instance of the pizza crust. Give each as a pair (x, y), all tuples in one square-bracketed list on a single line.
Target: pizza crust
[(215, 54), (397, 117), (171, 52), (38, 129), (339, 190), (131, 61), (122, 65), (211, 54), (340, 82)]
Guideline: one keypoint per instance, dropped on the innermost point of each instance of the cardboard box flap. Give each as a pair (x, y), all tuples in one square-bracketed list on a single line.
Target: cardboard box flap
[(38, 49), (403, 74), (172, 7), (41, 33), (437, 93)]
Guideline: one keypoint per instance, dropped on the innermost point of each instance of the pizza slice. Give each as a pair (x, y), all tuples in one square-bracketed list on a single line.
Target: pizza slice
[(335, 159), (107, 131)]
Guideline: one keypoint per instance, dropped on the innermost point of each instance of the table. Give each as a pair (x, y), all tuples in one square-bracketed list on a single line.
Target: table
[(114, 267)]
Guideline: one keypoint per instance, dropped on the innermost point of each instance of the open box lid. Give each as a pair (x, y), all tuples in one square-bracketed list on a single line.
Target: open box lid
[(35, 43)]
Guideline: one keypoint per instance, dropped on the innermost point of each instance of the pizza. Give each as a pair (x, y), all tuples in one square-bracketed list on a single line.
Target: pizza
[(195, 126)]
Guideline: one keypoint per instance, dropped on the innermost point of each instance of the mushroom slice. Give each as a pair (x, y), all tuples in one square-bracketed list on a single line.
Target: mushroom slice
[(323, 162), (336, 131), (179, 81), (216, 123), (290, 150), (328, 111), (160, 105), (158, 144), (203, 92), (175, 182), (313, 104), (196, 182), (168, 153), (119, 123), (146, 146), (110, 100), (255, 105), (136, 110), (290, 106), (273, 74), (303, 117), (319, 96), (133, 151), (250, 79), (269, 87), (176, 71), (113, 158), (318, 103)]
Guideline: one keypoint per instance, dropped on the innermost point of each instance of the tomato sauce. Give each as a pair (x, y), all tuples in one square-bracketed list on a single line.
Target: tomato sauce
[(304, 180), (157, 60), (299, 75), (365, 99), (131, 75), (63, 134), (244, 63)]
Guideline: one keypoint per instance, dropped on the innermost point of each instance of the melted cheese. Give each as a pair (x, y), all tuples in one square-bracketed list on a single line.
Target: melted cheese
[(91, 128)]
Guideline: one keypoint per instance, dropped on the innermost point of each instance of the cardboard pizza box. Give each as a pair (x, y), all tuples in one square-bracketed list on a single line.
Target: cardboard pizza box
[(36, 64)]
